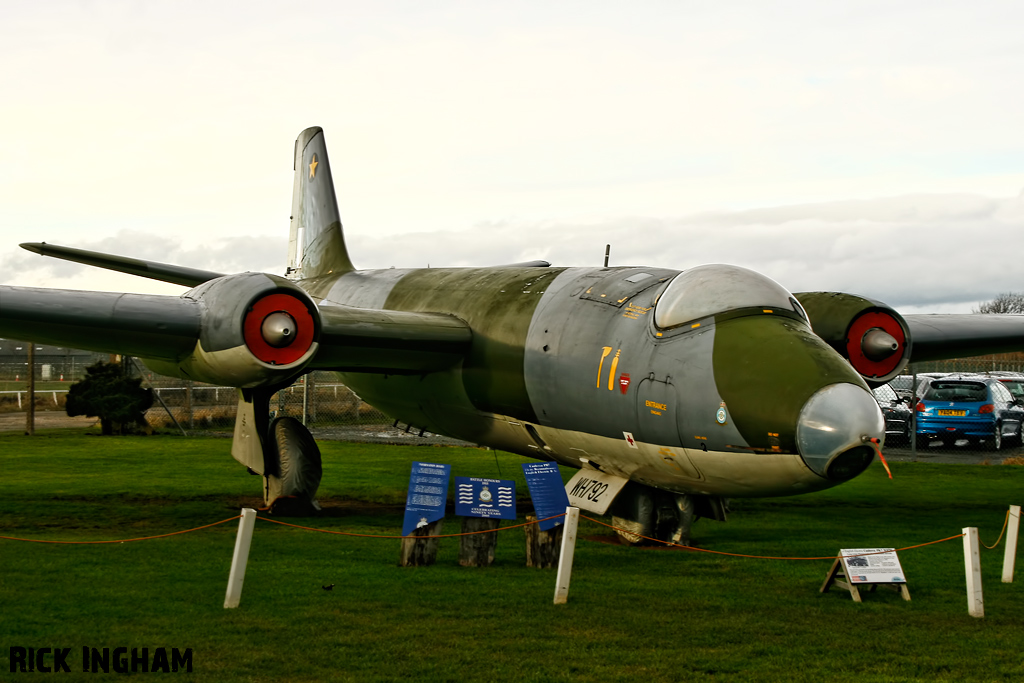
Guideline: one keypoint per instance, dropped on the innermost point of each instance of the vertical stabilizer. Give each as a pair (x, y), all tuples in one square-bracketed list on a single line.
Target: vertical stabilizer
[(316, 245)]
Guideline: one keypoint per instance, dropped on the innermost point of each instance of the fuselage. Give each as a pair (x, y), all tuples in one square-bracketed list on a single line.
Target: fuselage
[(708, 383)]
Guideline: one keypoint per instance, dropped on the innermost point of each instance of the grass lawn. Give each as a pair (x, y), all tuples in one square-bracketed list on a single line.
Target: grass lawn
[(633, 614)]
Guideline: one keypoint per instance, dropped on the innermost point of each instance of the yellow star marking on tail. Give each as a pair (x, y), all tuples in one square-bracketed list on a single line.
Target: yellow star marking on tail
[(312, 168)]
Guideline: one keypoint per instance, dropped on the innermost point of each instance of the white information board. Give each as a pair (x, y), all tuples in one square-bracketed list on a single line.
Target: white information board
[(593, 491), (862, 566)]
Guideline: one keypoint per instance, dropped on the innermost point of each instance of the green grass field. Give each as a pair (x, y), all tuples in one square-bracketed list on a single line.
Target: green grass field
[(633, 614)]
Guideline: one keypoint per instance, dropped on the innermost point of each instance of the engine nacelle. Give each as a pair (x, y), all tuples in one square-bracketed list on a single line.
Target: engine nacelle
[(873, 337), (255, 330)]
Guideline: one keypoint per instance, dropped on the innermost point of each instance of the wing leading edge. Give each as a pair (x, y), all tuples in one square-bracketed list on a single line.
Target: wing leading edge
[(164, 272), (170, 329), (146, 325)]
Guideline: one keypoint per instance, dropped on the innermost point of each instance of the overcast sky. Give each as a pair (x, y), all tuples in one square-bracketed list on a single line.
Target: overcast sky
[(872, 147)]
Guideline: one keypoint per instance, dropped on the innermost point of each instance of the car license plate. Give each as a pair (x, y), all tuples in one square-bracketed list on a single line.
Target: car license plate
[(951, 413)]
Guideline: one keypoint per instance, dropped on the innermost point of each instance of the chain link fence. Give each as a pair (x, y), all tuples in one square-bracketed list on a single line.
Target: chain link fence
[(957, 438), (318, 399), (332, 410)]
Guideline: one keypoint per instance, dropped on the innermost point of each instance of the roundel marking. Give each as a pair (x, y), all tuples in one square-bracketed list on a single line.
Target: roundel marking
[(253, 325), (854, 351)]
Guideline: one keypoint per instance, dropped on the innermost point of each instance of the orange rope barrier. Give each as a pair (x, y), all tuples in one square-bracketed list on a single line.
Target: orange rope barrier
[(766, 557), (469, 533), (1006, 520), (491, 531), (127, 540)]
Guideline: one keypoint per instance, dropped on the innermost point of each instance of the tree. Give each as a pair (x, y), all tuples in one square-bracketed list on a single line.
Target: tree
[(1007, 302), (106, 392)]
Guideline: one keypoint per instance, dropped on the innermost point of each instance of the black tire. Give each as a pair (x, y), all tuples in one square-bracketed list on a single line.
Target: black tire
[(996, 443), (299, 466)]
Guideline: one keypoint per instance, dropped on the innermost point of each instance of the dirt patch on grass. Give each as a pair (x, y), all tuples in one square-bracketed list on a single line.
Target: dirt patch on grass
[(45, 419)]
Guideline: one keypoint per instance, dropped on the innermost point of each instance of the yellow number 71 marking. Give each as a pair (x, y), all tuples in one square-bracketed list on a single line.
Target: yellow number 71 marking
[(605, 352)]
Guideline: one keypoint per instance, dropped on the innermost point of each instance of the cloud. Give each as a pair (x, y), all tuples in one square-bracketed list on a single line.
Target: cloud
[(919, 251), (943, 252), (225, 255)]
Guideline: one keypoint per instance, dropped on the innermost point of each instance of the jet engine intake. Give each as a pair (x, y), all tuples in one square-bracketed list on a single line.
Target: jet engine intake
[(873, 337), (255, 330)]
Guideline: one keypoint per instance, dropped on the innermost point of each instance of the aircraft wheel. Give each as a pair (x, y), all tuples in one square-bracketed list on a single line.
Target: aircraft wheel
[(292, 490), (645, 514), (633, 515), (628, 531)]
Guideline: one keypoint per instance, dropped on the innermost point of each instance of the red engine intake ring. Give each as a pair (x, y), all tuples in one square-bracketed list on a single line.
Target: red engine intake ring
[(855, 336), (253, 323)]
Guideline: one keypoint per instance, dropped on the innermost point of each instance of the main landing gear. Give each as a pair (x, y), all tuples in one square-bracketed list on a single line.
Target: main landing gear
[(283, 451), (642, 513), (291, 485)]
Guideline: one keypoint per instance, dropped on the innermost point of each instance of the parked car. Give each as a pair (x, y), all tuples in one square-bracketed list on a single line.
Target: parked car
[(980, 409), (897, 413), (903, 385), (1014, 381)]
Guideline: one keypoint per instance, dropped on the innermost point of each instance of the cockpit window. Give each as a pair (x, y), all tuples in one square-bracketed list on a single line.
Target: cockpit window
[(713, 289)]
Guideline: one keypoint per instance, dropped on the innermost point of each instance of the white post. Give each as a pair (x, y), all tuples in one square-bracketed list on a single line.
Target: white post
[(972, 565), (240, 558), (305, 397), (1012, 531), (572, 519)]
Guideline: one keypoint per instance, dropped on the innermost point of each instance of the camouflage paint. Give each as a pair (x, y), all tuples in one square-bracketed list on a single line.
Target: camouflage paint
[(562, 364), (766, 368), (315, 209)]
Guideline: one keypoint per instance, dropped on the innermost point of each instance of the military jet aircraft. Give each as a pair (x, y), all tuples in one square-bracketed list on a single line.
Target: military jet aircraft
[(672, 391)]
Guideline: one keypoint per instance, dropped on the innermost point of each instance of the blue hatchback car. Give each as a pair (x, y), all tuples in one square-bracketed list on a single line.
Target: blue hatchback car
[(978, 409)]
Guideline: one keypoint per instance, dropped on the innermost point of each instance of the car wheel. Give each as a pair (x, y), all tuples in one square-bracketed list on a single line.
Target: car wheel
[(997, 438)]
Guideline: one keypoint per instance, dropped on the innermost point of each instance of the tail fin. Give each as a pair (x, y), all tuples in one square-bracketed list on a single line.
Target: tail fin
[(317, 244)]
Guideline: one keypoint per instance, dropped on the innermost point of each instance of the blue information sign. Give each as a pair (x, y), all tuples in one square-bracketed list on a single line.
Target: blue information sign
[(428, 491), (547, 491), (476, 497)]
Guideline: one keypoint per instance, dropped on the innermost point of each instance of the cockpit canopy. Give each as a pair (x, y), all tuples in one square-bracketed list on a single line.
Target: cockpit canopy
[(718, 288)]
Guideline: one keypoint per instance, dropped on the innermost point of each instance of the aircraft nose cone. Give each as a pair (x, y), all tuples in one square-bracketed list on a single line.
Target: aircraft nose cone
[(832, 431)]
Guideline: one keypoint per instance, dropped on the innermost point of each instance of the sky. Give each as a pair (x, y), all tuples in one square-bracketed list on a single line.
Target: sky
[(869, 147)]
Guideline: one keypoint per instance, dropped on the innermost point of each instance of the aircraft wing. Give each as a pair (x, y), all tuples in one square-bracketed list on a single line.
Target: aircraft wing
[(167, 327), (208, 333), (941, 336), (147, 325)]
